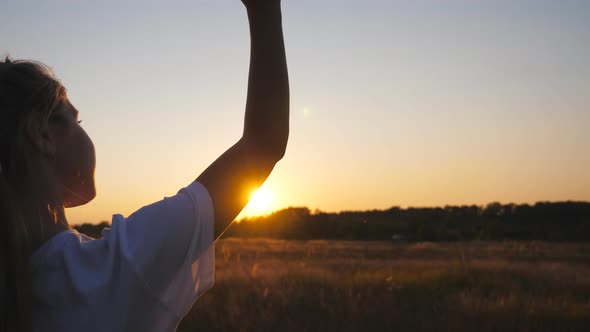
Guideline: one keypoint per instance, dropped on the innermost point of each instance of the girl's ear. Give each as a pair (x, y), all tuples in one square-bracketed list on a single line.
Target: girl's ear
[(39, 135)]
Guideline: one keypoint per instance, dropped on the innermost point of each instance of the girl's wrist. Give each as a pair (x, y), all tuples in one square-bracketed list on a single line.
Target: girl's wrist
[(264, 7)]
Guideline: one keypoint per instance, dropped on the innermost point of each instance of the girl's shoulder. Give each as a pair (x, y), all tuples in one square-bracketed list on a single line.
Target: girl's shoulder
[(55, 245)]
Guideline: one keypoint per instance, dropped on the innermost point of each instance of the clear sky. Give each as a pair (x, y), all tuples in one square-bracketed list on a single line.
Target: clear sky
[(407, 103)]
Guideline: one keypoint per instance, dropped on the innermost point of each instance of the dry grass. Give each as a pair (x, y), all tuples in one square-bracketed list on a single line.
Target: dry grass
[(275, 285)]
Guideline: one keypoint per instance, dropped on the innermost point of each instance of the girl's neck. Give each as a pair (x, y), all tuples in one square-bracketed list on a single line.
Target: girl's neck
[(43, 224)]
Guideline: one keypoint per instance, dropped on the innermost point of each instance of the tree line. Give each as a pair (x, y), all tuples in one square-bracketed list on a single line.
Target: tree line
[(546, 221)]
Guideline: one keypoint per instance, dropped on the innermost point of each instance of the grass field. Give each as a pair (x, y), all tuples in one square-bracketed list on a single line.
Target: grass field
[(276, 285)]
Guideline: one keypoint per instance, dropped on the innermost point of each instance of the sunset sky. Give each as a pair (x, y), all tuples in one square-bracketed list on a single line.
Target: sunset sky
[(394, 103)]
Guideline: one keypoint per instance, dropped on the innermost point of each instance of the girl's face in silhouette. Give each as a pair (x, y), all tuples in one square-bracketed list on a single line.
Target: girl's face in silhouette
[(74, 156)]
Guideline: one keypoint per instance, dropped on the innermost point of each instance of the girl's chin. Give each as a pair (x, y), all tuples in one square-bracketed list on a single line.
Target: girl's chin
[(78, 198)]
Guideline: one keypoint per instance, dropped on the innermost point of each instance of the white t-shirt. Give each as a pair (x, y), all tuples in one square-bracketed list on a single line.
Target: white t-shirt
[(143, 275)]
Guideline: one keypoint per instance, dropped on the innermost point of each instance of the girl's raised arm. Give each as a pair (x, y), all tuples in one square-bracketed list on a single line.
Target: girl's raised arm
[(246, 165)]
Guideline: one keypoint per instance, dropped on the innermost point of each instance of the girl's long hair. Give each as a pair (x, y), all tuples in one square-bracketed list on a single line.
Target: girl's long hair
[(25, 87)]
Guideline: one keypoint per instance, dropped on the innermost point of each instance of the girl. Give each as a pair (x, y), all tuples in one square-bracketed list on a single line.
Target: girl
[(149, 268)]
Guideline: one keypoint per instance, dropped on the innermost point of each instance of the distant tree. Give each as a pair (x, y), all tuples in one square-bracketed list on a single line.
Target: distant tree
[(92, 230), (558, 221)]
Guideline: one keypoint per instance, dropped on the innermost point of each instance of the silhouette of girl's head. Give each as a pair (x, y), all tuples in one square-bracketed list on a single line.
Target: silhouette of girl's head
[(46, 164), (42, 145)]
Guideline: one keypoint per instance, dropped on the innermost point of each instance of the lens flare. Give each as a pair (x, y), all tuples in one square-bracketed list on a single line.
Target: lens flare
[(260, 202)]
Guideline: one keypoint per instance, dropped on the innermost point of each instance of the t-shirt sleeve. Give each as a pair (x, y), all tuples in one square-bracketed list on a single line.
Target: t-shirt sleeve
[(169, 244)]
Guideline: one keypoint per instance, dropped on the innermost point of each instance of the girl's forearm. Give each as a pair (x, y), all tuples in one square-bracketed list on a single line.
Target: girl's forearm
[(267, 106)]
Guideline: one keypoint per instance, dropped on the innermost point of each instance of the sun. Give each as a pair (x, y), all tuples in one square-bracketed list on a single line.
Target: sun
[(260, 202)]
